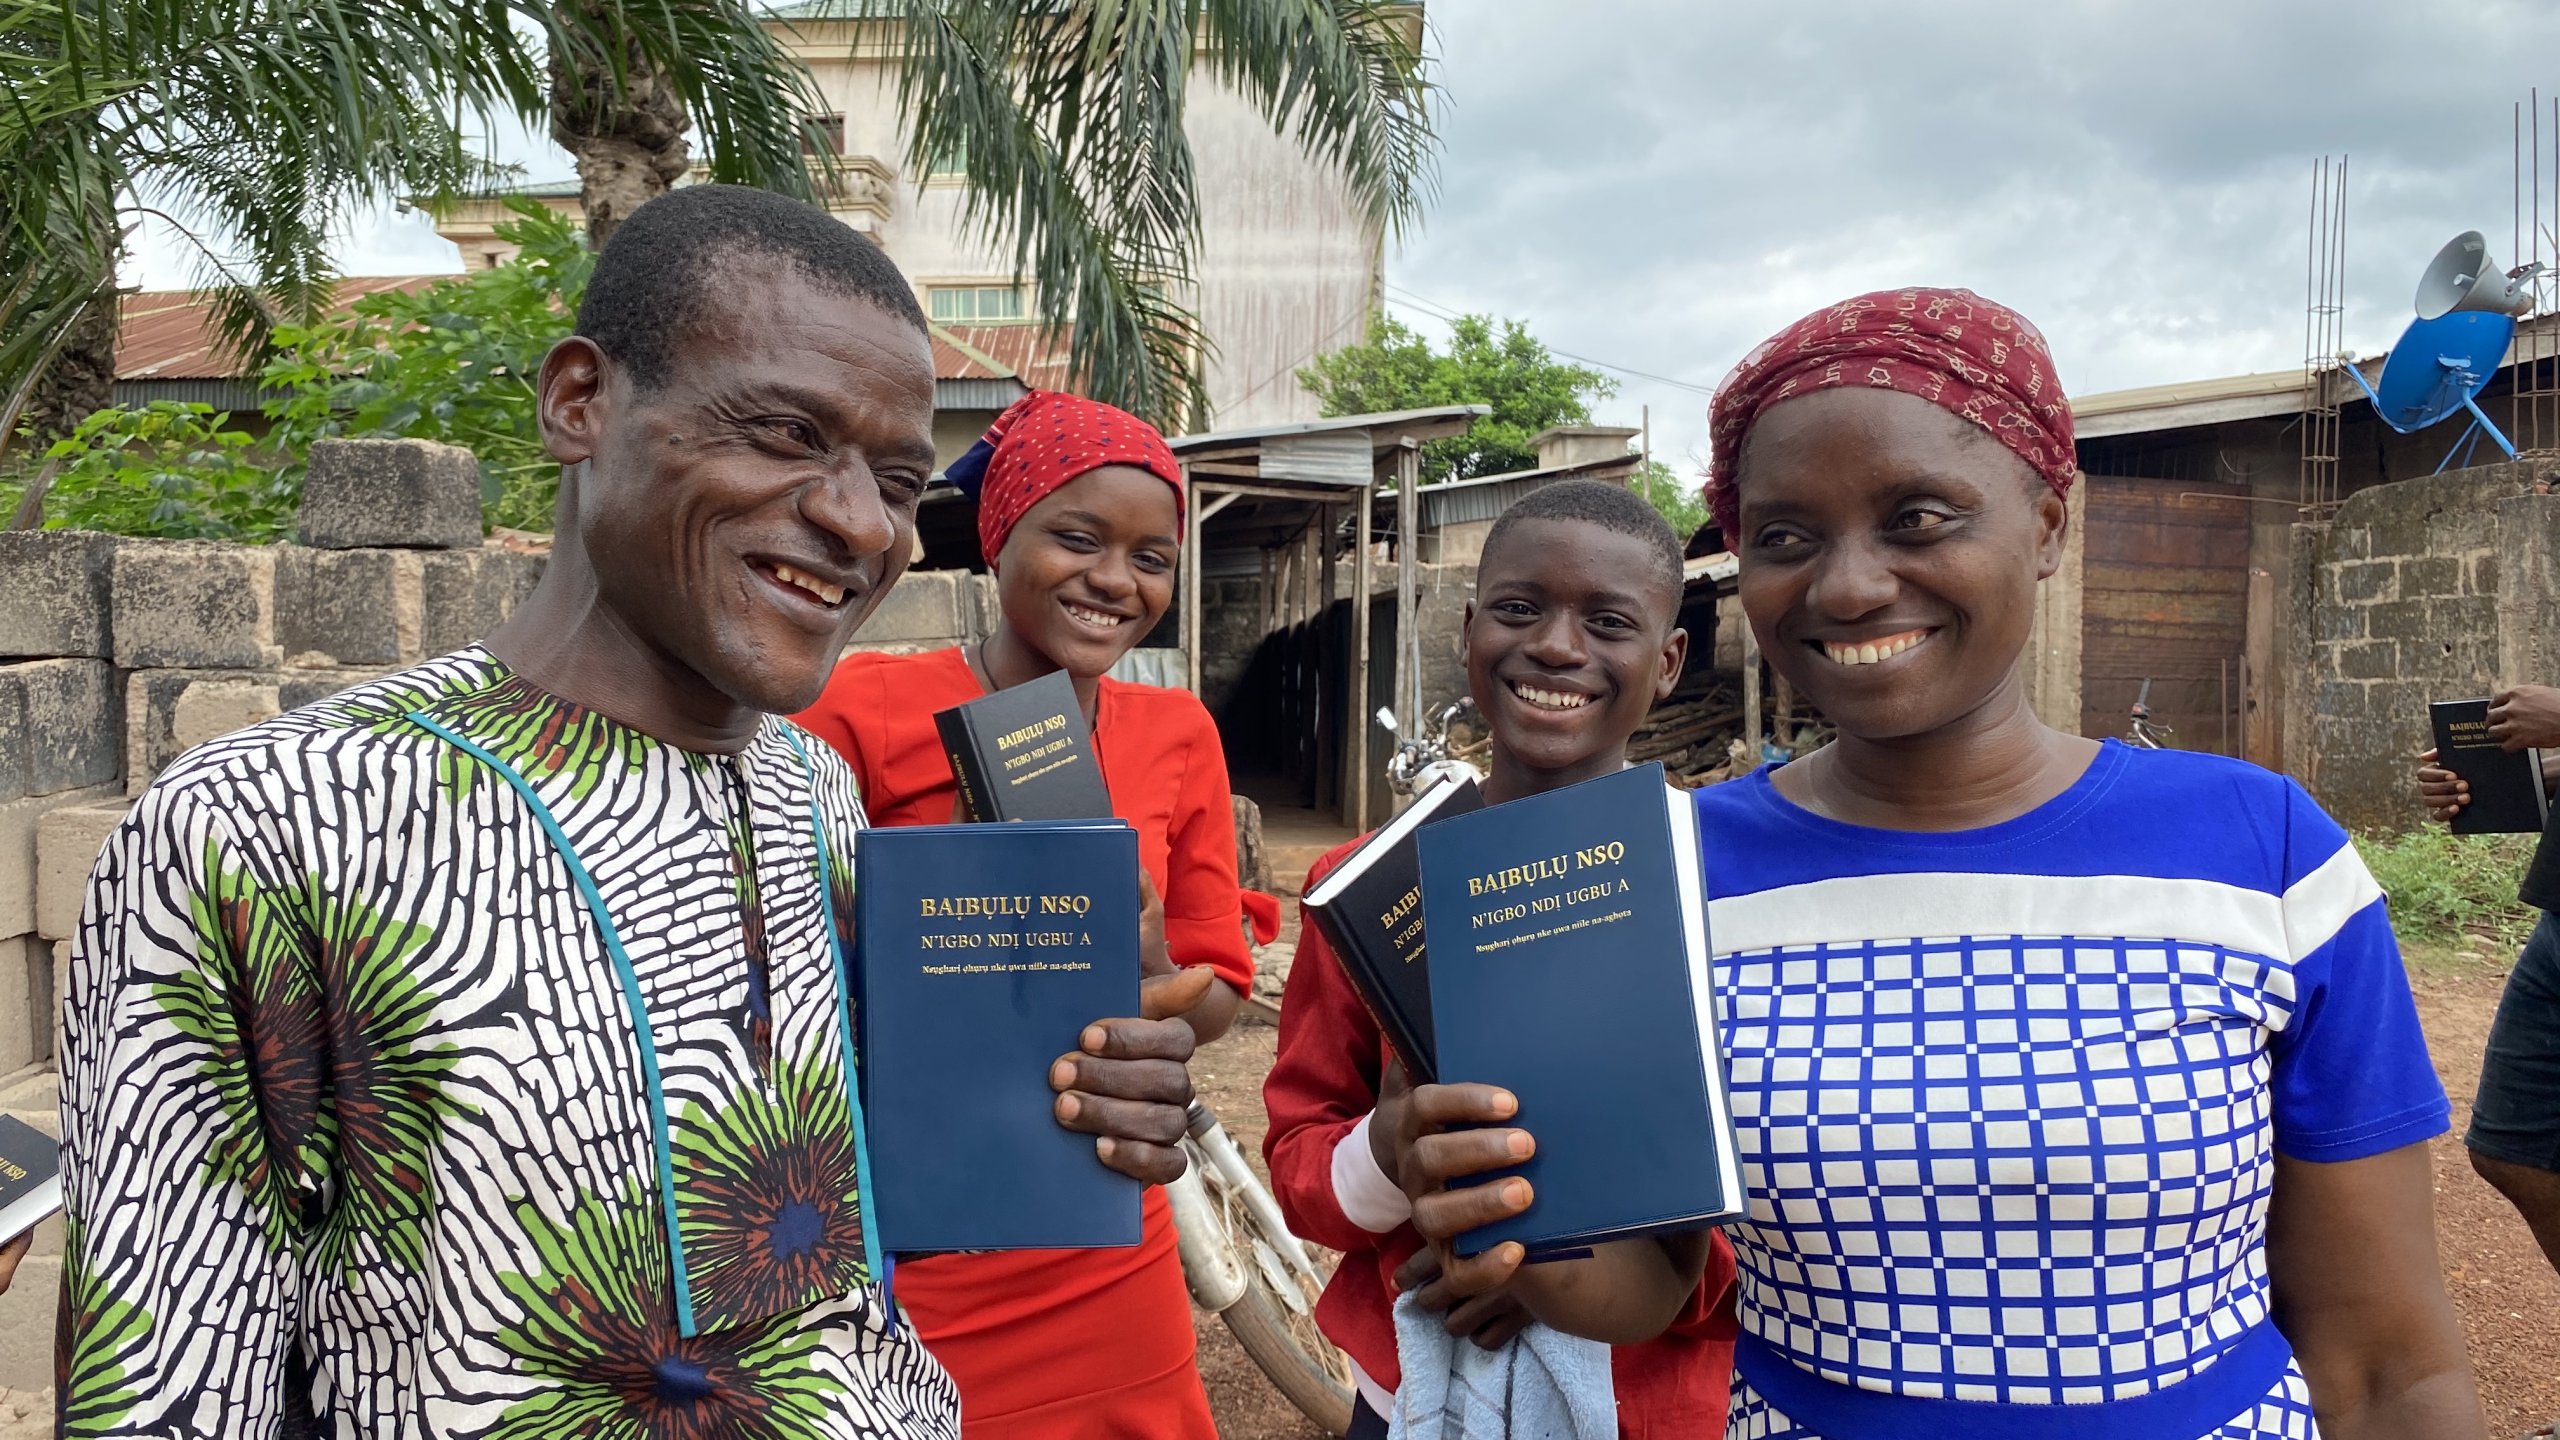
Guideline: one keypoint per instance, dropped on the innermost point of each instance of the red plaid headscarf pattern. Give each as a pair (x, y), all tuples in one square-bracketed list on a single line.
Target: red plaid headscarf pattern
[(1041, 442), (1974, 358)]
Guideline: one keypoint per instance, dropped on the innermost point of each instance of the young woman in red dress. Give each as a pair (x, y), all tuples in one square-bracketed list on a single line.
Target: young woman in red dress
[(1079, 510)]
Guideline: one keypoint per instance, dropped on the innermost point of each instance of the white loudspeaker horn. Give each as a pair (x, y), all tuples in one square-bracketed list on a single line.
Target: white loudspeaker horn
[(2464, 277)]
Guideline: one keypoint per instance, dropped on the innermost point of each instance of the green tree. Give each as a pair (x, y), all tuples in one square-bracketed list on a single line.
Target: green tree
[(1683, 503), (1069, 116), (1488, 362), (456, 361), (260, 124)]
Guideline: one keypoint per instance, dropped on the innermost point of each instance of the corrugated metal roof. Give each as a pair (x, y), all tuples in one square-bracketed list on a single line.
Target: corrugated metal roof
[(1457, 502), (1027, 353), (163, 334), (1385, 428)]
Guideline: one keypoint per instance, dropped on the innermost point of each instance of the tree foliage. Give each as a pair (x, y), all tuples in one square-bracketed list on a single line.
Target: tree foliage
[(174, 470), (455, 361), (1069, 116), (259, 125), (1488, 362)]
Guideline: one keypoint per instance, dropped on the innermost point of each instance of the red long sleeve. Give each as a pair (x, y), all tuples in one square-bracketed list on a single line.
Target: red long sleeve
[(1324, 1080), (1203, 909)]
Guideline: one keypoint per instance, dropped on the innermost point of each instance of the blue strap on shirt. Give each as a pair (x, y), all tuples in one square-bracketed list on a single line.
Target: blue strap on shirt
[(632, 997)]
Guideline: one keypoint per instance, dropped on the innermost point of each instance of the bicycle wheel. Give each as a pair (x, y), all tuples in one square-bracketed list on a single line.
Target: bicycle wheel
[(1302, 1365), (1275, 1319)]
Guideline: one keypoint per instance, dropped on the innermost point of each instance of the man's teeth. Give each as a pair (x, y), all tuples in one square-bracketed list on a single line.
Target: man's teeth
[(1550, 699), (826, 593), (1096, 618), (1869, 652)]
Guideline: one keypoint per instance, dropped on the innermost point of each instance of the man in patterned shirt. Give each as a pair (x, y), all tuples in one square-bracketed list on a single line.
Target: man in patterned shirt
[(466, 1055)]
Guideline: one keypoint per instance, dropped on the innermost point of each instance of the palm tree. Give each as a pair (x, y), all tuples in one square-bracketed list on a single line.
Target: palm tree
[(262, 123), (1069, 117)]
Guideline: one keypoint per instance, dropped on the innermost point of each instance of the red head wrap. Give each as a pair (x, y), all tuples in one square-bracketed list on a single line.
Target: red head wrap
[(1971, 357), (1041, 442)]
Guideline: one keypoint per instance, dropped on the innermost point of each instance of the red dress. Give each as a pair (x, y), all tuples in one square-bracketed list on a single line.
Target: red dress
[(1064, 1344), (1321, 1086)]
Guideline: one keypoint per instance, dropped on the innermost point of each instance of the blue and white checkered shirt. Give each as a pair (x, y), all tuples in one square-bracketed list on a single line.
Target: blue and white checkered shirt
[(2009, 1100)]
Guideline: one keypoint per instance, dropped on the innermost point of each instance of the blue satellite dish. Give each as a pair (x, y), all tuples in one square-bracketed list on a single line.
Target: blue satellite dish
[(2438, 367)]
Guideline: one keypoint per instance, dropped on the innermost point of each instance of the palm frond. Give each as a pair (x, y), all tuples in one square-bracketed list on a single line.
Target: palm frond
[(1069, 114)]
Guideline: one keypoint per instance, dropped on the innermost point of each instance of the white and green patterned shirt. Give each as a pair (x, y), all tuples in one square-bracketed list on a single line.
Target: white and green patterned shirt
[(356, 1137)]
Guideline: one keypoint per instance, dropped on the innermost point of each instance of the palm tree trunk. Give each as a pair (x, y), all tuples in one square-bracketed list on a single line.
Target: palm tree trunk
[(627, 136), (82, 378)]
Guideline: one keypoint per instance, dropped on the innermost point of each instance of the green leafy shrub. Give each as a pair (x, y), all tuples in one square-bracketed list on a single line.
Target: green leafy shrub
[(455, 361), (2444, 886), (172, 470)]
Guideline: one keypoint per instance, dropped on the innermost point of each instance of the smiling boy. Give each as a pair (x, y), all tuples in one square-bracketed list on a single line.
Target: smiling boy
[(1571, 638)]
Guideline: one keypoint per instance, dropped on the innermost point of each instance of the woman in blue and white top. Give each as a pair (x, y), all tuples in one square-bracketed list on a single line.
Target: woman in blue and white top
[(2079, 1088)]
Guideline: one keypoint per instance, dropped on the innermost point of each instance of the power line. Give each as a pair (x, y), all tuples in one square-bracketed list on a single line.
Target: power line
[(1439, 311)]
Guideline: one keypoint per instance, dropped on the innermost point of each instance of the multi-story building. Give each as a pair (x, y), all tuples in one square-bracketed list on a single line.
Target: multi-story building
[(1287, 269)]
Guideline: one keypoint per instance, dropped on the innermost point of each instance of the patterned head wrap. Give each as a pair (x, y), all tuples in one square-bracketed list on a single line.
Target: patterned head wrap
[(1041, 442), (1971, 357)]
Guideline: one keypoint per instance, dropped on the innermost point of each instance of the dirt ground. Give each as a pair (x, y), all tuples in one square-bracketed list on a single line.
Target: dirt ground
[(2508, 1297)]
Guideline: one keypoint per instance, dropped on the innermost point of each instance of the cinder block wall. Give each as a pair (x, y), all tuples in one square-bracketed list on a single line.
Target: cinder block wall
[(116, 655), (2423, 590)]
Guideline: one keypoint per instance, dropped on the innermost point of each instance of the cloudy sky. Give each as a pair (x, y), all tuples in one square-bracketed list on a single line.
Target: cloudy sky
[(1657, 184)]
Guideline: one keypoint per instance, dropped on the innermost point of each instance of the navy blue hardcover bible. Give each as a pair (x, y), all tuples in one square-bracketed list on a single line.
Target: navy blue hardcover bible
[(1569, 965), (982, 952)]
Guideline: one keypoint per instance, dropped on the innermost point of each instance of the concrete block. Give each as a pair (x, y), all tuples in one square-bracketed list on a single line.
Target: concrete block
[(2350, 542), (61, 991), (397, 494), (53, 593), (2400, 620), (2341, 622), (2371, 660), (27, 1315), (17, 762), (20, 958), (195, 604), (2368, 580), (67, 844), (348, 607), (925, 605), (986, 608), (466, 594), (2430, 575), (19, 820), (212, 708), (72, 721), (169, 712)]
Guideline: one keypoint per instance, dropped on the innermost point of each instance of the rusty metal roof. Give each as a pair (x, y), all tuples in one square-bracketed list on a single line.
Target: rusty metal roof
[(164, 334)]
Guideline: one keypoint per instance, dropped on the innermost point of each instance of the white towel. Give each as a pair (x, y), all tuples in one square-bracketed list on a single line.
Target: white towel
[(1542, 1385)]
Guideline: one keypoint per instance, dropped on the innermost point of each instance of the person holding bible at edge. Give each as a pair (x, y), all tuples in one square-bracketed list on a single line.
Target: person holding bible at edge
[(1079, 515), (2514, 1138), (1571, 638), (2079, 1088), (467, 1054)]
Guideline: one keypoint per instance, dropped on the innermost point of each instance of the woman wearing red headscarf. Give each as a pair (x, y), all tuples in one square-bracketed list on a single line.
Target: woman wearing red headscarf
[(2079, 1089), (1079, 514)]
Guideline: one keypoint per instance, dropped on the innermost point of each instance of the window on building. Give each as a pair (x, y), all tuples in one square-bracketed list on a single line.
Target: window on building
[(947, 162), (822, 133), (976, 304)]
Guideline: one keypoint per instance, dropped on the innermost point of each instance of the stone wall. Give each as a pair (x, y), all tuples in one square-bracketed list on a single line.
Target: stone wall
[(2422, 590)]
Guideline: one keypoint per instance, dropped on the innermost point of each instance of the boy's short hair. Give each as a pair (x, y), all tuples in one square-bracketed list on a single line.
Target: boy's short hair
[(1593, 502)]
